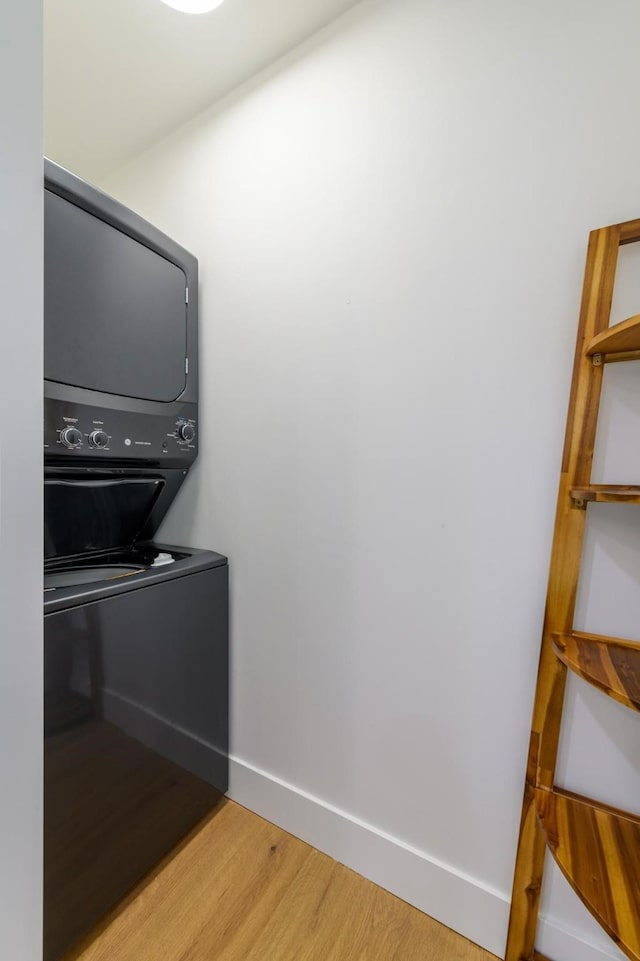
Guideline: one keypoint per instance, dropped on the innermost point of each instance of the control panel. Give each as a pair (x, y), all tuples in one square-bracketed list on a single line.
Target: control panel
[(81, 431)]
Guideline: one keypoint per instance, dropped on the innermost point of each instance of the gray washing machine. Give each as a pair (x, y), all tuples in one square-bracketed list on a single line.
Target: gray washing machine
[(136, 729)]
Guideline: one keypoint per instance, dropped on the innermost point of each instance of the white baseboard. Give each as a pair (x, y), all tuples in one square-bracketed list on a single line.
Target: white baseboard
[(561, 945), (459, 901)]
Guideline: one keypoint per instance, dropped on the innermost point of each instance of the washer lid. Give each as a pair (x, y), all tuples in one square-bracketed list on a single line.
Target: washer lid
[(82, 515)]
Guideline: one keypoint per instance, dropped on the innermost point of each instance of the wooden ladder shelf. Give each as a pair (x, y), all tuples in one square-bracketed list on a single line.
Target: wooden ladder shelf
[(596, 847)]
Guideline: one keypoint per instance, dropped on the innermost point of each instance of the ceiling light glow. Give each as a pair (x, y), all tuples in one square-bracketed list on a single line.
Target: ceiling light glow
[(193, 6)]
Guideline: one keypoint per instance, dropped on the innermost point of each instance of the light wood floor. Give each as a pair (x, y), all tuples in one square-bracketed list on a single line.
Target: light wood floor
[(241, 889)]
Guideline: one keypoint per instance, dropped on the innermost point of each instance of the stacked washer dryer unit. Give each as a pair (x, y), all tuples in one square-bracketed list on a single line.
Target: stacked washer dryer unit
[(136, 633)]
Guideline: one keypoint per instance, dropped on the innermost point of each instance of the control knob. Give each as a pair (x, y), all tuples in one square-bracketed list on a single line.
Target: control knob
[(186, 432), (98, 438), (71, 437)]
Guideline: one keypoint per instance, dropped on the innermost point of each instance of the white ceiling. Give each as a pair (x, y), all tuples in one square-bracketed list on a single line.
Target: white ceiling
[(121, 74)]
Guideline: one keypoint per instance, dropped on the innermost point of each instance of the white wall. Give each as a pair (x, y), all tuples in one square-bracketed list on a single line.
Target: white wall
[(391, 226), (21, 480)]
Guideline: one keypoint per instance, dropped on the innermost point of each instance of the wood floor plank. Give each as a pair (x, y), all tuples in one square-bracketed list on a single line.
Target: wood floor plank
[(294, 925), (242, 889), (418, 937), (170, 906), (247, 898), (340, 922)]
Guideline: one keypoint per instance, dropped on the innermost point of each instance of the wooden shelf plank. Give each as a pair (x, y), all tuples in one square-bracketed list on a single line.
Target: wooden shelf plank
[(607, 493), (609, 663), (598, 850), (622, 338)]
